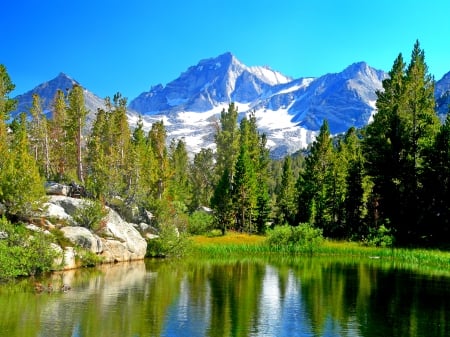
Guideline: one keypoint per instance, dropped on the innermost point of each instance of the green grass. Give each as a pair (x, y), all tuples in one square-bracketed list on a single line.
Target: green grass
[(244, 245)]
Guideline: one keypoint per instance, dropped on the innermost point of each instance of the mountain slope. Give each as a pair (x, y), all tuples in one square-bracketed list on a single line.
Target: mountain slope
[(289, 111), (442, 95), (47, 92), (209, 84)]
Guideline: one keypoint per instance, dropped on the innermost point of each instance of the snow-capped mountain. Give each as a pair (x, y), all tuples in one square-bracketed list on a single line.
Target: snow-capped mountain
[(289, 111), (207, 85), (442, 95), (47, 92)]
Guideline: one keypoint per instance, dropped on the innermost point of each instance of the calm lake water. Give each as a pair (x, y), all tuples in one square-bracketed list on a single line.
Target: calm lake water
[(267, 297)]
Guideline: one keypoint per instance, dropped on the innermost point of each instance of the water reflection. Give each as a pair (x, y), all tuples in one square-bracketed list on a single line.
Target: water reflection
[(270, 297)]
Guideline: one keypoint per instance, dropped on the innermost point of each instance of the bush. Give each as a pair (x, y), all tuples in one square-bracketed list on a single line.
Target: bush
[(90, 215), (170, 243), (380, 237), (23, 253), (303, 238), (86, 258), (200, 223)]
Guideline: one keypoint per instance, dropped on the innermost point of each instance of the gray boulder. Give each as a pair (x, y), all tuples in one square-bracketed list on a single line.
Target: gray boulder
[(125, 232), (83, 237), (120, 240), (53, 188)]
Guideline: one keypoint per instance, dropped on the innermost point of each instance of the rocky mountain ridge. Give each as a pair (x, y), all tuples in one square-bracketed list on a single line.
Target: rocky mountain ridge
[(290, 111)]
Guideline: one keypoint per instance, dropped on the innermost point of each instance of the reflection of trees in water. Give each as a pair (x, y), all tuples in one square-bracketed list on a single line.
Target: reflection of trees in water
[(279, 297)]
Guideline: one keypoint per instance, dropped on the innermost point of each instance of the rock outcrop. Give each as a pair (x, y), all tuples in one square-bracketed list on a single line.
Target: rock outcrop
[(116, 241)]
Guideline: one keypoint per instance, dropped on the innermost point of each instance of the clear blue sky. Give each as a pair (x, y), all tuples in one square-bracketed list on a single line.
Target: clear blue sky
[(128, 46)]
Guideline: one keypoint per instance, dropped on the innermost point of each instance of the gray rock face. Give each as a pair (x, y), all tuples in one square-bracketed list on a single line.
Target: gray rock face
[(52, 188), (83, 237), (442, 96), (120, 241), (126, 233)]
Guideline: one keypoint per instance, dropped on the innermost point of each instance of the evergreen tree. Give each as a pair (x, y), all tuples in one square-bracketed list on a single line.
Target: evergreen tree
[(39, 139), (97, 157), (227, 141), (262, 176), (157, 138), (143, 162), (222, 203), (227, 151), (179, 184), (58, 136), (76, 120), (119, 142), (315, 183), (357, 186), (287, 196), (6, 106), (437, 188), (21, 185), (202, 178), (397, 141), (245, 191)]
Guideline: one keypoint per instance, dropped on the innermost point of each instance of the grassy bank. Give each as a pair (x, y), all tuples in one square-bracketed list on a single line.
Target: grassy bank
[(239, 244)]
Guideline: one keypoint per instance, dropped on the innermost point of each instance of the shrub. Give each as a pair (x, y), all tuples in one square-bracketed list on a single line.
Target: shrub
[(303, 238), (200, 223), (23, 253), (170, 243), (380, 237), (86, 258), (90, 215)]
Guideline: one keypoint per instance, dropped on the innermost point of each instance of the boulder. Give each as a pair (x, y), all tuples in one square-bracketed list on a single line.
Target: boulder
[(69, 205), (116, 251), (53, 188), (121, 242), (125, 232), (69, 258), (83, 237)]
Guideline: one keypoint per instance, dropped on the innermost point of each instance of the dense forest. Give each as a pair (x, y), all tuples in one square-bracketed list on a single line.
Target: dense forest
[(390, 178)]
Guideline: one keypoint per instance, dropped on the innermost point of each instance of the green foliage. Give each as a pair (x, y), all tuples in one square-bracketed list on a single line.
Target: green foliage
[(380, 237), (21, 186), (302, 238), (23, 253), (200, 223), (170, 243), (86, 258), (90, 215)]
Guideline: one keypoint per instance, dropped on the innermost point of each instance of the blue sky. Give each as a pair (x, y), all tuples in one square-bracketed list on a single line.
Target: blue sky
[(128, 46)]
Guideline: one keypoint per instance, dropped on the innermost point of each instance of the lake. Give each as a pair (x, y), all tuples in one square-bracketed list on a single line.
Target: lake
[(248, 297)]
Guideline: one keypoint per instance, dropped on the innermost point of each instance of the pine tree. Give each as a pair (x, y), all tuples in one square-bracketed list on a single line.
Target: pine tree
[(287, 196), (39, 138), (437, 173), (97, 151), (58, 136), (227, 141), (157, 138), (222, 203), (21, 185), (142, 169), (6, 106), (76, 120), (262, 176), (315, 183), (179, 184), (396, 143), (202, 178), (245, 191), (357, 186)]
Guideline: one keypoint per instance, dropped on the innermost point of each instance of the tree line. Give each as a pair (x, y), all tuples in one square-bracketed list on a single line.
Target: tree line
[(391, 176)]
